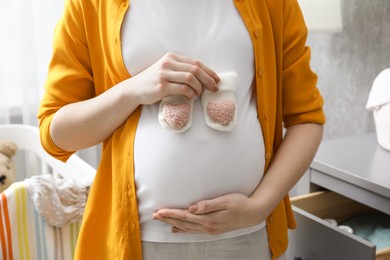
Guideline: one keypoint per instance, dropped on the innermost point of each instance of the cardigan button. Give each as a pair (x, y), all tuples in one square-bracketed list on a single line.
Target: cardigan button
[(257, 33), (263, 117), (268, 155), (260, 73)]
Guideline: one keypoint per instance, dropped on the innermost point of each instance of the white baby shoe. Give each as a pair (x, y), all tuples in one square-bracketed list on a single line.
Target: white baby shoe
[(175, 113), (220, 108)]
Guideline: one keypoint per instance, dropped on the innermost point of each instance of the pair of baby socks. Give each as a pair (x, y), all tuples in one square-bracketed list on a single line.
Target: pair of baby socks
[(219, 108)]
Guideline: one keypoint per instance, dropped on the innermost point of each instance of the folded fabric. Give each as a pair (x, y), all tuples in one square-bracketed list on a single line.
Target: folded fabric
[(26, 235), (58, 201), (373, 227)]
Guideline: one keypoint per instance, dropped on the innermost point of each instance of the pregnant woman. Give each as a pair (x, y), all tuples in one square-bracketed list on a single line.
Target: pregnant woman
[(189, 99)]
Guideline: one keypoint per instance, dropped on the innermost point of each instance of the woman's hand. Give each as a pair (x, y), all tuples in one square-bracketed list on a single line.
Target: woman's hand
[(82, 124), (219, 215), (173, 74)]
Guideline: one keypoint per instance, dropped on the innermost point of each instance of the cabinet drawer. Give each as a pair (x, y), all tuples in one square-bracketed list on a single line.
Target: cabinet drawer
[(315, 238)]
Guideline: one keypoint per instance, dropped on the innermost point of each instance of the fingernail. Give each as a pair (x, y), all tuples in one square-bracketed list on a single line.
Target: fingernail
[(215, 88), (217, 79), (193, 208), (175, 230)]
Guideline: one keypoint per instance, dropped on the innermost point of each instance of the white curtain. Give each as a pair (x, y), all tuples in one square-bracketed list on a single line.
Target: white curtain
[(26, 32)]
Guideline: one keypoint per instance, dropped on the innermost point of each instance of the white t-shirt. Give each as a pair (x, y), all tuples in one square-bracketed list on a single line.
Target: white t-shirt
[(177, 169)]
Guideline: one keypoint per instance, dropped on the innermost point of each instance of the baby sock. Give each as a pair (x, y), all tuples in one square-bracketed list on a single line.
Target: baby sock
[(175, 113), (219, 108)]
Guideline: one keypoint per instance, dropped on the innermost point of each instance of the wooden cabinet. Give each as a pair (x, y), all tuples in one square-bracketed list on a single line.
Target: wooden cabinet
[(348, 177)]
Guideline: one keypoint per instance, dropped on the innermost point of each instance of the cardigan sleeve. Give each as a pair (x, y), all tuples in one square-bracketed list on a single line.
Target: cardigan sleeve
[(301, 100), (70, 76)]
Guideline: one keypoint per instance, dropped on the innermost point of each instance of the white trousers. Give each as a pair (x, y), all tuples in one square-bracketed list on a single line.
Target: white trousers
[(253, 246)]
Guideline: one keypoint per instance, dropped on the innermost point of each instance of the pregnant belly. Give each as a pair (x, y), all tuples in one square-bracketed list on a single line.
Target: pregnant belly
[(175, 170), (178, 178), (185, 183)]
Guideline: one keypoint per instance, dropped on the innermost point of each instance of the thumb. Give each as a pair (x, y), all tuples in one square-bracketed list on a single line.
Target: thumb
[(207, 206)]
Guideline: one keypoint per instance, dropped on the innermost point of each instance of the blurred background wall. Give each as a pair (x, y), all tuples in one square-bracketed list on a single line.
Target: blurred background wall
[(347, 63)]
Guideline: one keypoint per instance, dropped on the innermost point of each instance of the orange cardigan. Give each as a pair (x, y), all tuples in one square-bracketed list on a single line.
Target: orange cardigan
[(87, 61)]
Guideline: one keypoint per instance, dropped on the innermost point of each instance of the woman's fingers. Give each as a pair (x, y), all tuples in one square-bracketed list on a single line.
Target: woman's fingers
[(172, 74), (210, 74), (171, 88), (222, 214), (183, 221), (191, 72), (207, 206), (183, 80)]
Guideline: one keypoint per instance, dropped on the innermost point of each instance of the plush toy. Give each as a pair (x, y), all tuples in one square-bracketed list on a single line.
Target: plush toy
[(7, 165)]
